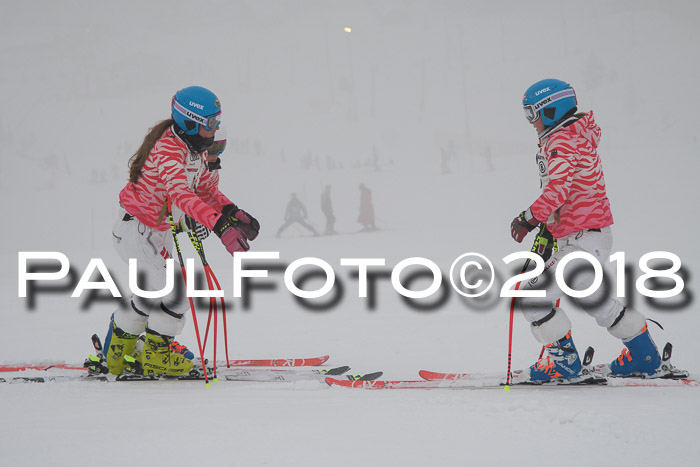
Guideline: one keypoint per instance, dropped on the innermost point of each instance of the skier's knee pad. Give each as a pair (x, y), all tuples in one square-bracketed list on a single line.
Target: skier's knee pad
[(628, 325), (166, 321), (552, 327), (131, 320)]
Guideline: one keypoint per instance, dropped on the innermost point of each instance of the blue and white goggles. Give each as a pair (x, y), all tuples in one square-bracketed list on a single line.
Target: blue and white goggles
[(211, 122), (532, 111)]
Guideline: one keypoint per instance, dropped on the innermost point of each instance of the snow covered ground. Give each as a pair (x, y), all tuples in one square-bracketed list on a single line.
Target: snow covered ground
[(307, 104)]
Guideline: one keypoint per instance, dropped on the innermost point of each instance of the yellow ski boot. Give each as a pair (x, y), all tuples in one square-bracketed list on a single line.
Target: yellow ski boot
[(118, 344), (163, 356)]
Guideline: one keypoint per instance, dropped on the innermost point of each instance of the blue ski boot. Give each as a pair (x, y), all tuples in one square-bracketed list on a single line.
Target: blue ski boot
[(561, 363), (640, 357)]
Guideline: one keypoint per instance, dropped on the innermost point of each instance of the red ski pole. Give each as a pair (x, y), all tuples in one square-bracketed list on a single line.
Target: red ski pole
[(509, 374), (223, 315), (212, 300), (184, 277), (213, 309)]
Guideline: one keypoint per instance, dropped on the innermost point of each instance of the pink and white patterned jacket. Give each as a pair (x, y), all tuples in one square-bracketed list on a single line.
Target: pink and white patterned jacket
[(172, 170), (571, 174)]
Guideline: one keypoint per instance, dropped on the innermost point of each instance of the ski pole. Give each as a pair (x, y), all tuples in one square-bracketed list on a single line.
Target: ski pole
[(173, 229), (223, 317), (211, 280), (206, 331), (509, 374), (212, 300)]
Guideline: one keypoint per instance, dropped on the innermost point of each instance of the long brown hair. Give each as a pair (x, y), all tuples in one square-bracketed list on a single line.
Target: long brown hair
[(139, 158)]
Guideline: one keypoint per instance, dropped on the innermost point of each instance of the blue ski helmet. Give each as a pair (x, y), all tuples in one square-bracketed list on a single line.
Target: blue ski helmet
[(549, 99), (194, 106)]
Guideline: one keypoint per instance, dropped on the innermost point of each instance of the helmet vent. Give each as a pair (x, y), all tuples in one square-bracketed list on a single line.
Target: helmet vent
[(549, 112)]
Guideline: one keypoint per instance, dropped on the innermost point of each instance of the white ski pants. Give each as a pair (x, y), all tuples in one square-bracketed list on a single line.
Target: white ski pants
[(604, 309), (150, 248)]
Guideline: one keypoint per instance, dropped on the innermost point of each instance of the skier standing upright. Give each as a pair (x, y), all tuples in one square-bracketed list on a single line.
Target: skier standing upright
[(171, 164), (575, 208), (366, 217), (327, 210)]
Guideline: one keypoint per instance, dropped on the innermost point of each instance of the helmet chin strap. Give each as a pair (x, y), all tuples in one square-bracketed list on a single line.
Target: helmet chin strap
[(196, 143)]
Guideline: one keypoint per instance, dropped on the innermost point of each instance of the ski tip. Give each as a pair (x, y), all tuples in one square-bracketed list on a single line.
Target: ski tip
[(371, 376), (366, 376), (339, 382), (435, 376), (313, 361), (335, 371), (331, 381), (364, 384)]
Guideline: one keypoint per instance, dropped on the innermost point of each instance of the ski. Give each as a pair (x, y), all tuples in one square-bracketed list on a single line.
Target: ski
[(436, 376), (39, 366), (270, 362), (282, 376), (598, 374), (665, 371), (473, 382), (589, 377), (55, 379), (252, 375), (485, 384), (313, 361)]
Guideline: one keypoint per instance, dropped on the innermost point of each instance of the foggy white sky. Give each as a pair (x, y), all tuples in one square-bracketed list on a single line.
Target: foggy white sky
[(409, 78)]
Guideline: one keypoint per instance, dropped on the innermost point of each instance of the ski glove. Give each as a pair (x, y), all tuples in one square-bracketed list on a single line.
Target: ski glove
[(243, 221), (188, 224), (232, 238), (522, 225), (545, 243)]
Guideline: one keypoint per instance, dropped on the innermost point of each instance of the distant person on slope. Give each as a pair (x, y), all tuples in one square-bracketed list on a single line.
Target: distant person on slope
[(366, 217), (295, 213), (327, 210), (576, 210), (171, 163)]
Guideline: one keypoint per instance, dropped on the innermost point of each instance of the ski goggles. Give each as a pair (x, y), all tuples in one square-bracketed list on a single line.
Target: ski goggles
[(211, 122), (530, 114), (217, 148), (532, 111)]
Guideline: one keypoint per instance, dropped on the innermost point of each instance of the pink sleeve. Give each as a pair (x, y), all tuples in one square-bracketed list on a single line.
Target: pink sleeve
[(208, 191)]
